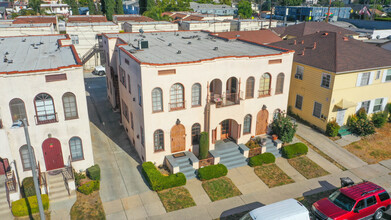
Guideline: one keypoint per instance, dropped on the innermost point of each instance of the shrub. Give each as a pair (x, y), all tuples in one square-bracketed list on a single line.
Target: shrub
[(261, 159), (89, 187), (212, 171), (28, 188), (351, 121), (294, 150), (362, 114), (388, 110), (94, 172), (78, 178), (379, 119), (362, 127), (283, 127), (204, 145), (159, 182), (252, 144), (29, 205), (332, 129)]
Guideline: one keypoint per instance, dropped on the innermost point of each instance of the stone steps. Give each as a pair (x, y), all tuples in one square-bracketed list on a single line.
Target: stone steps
[(231, 157), (186, 168), (57, 190), (5, 211)]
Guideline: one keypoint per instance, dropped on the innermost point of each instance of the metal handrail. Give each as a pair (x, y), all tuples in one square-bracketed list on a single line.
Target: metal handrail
[(7, 193), (66, 183)]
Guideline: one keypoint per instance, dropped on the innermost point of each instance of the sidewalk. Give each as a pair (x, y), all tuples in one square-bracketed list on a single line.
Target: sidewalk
[(339, 154)]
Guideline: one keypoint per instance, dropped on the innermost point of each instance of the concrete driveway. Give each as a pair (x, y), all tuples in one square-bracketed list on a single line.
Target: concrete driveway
[(119, 162)]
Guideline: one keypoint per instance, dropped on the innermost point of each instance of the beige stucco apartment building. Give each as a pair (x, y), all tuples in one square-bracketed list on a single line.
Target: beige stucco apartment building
[(173, 85)]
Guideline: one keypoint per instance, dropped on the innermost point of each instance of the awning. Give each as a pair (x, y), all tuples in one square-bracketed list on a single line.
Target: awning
[(344, 104)]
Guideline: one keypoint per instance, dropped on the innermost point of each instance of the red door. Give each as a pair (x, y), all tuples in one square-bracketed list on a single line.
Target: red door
[(4, 166), (52, 154)]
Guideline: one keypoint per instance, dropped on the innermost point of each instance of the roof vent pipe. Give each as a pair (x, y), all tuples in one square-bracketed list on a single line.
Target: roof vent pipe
[(216, 48), (179, 52)]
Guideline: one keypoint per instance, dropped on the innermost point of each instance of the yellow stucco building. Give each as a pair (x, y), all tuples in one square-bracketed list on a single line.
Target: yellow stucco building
[(333, 76)]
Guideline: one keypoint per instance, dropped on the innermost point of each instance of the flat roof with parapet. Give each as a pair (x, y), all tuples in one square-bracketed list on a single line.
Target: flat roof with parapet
[(78, 24), (35, 53), (149, 22), (165, 48), (206, 21), (25, 25)]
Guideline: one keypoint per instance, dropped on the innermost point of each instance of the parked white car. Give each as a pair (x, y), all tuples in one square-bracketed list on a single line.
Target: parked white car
[(289, 209), (99, 70)]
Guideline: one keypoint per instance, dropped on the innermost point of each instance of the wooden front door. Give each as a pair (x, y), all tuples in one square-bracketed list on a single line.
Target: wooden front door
[(4, 166), (52, 154), (262, 119), (225, 129), (178, 138)]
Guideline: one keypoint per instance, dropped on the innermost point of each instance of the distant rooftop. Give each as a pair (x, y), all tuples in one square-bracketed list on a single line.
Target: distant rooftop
[(259, 36), (206, 21), (24, 25), (34, 53), (108, 23), (149, 22), (86, 19), (306, 28), (188, 46), (195, 5), (35, 19), (134, 18)]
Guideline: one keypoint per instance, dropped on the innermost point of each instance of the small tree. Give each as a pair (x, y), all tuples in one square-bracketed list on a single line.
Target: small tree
[(332, 129), (91, 7), (244, 9), (119, 9), (388, 110), (283, 127), (204, 145), (110, 6), (379, 119)]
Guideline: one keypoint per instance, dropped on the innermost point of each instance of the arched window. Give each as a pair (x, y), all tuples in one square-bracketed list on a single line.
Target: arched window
[(44, 107), (158, 137), (250, 87), (195, 133), (196, 95), (18, 110), (70, 106), (247, 124), (177, 97), (280, 83), (157, 100), (76, 149), (264, 85), (25, 157)]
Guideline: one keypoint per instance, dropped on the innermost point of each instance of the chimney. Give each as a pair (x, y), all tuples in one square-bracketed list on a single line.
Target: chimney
[(302, 53), (314, 47), (294, 42)]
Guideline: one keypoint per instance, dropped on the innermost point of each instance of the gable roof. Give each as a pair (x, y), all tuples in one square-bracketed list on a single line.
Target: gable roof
[(336, 53), (35, 20), (86, 19), (258, 36), (306, 28), (134, 18)]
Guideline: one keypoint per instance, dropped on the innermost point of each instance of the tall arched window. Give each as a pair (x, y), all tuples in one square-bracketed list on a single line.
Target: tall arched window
[(25, 157), (158, 137), (157, 100), (264, 85), (247, 124), (250, 87), (195, 133), (44, 107), (196, 95), (70, 106), (76, 149), (18, 110), (280, 83), (177, 97)]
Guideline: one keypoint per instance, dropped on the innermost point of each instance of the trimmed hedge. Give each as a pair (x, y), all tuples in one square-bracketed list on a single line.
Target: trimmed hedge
[(332, 129), (89, 187), (20, 207), (204, 145), (28, 188), (94, 172), (260, 159), (212, 171), (159, 182), (379, 119), (294, 150)]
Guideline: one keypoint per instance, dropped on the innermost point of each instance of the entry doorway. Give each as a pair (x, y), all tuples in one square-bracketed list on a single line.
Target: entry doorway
[(262, 122), (229, 129), (178, 138), (225, 129), (52, 153), (341, 116)]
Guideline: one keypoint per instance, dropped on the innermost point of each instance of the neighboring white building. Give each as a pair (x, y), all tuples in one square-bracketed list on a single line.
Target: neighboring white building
[(170, 86), (55, 9), (149, 26), (251, 24), (209, 25), (41, 79), (26, 29), (121, 19)]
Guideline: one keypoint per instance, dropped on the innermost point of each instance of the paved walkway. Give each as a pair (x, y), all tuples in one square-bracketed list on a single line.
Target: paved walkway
[(347, 139), (339, 154)]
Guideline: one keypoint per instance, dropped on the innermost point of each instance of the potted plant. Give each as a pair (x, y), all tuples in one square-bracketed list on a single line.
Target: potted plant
[(274, 137)]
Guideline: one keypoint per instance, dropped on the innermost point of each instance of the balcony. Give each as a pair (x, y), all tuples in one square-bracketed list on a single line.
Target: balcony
[(175, 106), (227, 99), (46, 119)]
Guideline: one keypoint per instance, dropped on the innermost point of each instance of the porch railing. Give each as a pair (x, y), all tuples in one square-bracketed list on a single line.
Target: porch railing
[(67, 174), (10, 181), (42, 179), (46, 119), (227, 99)]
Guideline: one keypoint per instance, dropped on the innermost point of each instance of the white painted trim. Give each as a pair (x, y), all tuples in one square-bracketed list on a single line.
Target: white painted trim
[(371, 76), (358, 82)]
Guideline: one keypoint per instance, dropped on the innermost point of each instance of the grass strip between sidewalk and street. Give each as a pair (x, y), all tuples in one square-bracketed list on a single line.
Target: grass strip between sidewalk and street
[(220, 188), (306, 167), (88, 207), (321, 153), (176, 198), (272, 175)]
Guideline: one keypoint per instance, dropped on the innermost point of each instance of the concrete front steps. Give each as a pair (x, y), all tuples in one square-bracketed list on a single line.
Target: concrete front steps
[(56, 188), (186, 168), (271, 148), (230, 156), (344, 130), (5, 211)]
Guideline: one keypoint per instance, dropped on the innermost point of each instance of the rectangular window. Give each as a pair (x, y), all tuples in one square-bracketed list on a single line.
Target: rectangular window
[(388, 75), (326, 79), (317, 110), (365, 105), (75, 39), (56, 77), (378, 74), (139, 95), (129, 88), (378, 104), (365, 79), (166, 72), (276, 61), (131, 120), (122, 76), (142, 135), (299, 72), (125, 110), (384, 196), (299, 102), (371, 201)]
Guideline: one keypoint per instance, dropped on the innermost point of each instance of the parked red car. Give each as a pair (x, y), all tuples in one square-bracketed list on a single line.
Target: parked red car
[(365, 200)]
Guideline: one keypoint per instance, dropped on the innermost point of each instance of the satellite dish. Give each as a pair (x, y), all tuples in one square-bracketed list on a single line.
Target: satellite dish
[(141, 31)]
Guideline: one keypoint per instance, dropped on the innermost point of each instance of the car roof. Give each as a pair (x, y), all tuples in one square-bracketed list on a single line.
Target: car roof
[(361, 190), (286, 209), (99, 68)]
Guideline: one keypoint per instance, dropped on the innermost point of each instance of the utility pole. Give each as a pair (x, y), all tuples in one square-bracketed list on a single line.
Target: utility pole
[(328, 12)]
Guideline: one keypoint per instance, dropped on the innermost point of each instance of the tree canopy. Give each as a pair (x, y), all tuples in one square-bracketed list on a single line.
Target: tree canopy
[(244, 9)]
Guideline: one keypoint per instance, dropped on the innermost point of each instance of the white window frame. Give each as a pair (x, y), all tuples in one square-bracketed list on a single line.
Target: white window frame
[(378, 74), (302, 99), (313, 110), (75, 39), (324, 77), (386, 73), (378, 105), (299, 75)]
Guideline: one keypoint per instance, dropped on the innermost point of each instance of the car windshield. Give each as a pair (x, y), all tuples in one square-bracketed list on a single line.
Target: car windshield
[(342, 201)]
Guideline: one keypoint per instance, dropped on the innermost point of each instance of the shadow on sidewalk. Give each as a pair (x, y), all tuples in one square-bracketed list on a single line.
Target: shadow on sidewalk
[(324, 186), (238, 212)]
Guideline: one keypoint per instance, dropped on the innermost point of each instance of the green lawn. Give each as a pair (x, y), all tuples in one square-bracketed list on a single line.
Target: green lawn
[(306, 167), (176, 198), (220, 188), (272, 175)]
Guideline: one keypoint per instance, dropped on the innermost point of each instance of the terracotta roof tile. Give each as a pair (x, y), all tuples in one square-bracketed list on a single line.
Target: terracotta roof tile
[(259, 36), (336, 53), (86, 19), (35, 20), (137, 18)]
